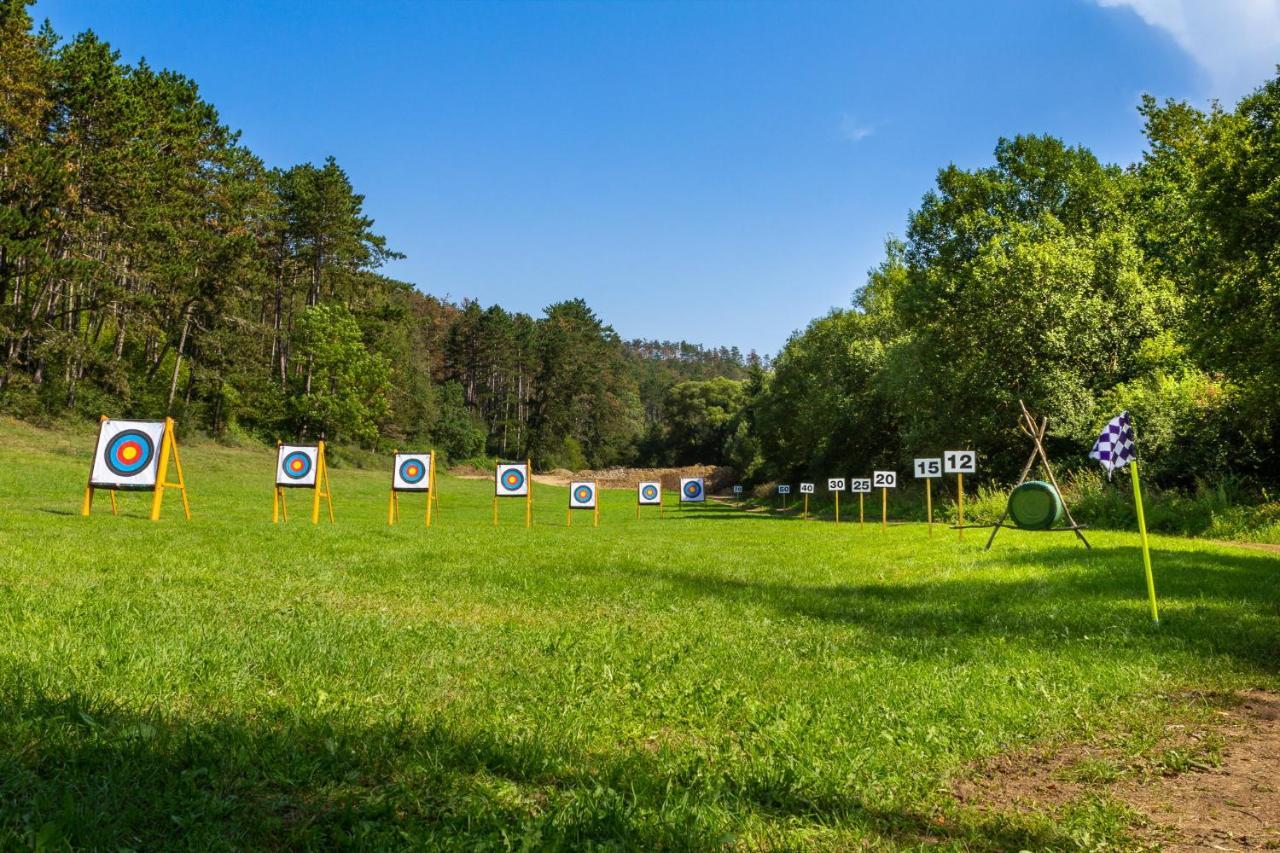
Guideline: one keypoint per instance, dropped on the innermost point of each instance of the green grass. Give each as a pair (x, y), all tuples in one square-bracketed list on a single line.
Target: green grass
[(717, 677)]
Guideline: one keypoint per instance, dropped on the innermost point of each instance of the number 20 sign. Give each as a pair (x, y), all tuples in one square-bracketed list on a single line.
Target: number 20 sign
[(960, 461), (885, 479)]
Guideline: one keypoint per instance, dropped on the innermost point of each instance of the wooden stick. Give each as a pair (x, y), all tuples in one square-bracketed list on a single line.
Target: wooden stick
[(1044, 457)]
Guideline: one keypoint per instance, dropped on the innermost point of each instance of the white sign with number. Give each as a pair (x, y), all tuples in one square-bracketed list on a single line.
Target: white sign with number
[(960, 461), (737, 490), (784, 490), (860, 485), (927, 469), (884, 479), (806, 488), (835, 484)]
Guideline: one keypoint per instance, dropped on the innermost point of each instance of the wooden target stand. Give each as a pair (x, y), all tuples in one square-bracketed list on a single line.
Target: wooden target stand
[(662, 499), (321, 489), (528, 496), (595, 510), (433, 497), (168, 447), (1036, 432)]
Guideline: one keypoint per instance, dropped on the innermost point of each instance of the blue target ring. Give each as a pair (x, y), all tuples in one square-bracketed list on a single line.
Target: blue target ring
[(692, 489), (649, 493), (582, 494), (512, 479), (129, 453), (296, 465), (412, 471)]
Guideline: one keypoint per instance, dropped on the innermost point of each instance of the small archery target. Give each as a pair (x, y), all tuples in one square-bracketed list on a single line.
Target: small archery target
[(128, 454), (649, 494), (860, 485), (412, 472), (582, 495), (296, 465), (512, 480), (806, 488), (693, 490)]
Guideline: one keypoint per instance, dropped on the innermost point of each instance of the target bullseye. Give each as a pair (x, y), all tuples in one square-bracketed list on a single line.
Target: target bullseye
[(129, 452)]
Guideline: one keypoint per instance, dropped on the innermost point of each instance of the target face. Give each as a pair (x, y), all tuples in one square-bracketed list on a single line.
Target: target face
[(692, 490), (128, 455), (512, 480), (582, 495), (412, 472), (296, 465), (649, 494)]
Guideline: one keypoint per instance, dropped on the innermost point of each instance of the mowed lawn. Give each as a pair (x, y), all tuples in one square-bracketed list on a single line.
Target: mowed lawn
[(714, 678)]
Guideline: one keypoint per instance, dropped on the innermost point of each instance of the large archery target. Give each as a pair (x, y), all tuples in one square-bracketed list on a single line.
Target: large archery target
[(128, 455), (512, 480), (649, 494), (582, 495), (296, 465), (412, 472), (692, 490)]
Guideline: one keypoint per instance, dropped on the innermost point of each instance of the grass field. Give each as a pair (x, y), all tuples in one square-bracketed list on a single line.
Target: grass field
[(715, 678)]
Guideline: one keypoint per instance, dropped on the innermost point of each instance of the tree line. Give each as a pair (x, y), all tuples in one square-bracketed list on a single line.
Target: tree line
[(151, 264)]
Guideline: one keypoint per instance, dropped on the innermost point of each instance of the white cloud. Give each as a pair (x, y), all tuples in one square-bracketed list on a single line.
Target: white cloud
[(1236, 42), (852, 130)]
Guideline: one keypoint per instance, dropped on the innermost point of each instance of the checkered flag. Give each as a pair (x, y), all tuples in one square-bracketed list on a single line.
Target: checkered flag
[(1114, 448)]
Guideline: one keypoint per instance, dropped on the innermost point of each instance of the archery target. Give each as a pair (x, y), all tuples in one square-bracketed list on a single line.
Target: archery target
[(582, 495), (649, 494), (692, 490), (412, 472), (128, 455), (297, 465), (512, 480)]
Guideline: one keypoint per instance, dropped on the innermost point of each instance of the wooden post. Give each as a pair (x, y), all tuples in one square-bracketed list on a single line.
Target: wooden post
[(182, 480), (960, 505), (87, 504), (528, 503), (162, 470), (805, 514), (391, 502), (837, 507), (431, 489), (928, 503), (861, 517), (884, 509), (495, 510)]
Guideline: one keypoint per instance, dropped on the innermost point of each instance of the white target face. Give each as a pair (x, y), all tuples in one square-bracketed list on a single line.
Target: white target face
[(784, 490), (884, 479), (835, 484), (649, 494), (960, 461), (860, 485), (806, 488), (582, 496), (412, 472), (693, 490), (127, 455), (297, 465), (927, 469), (512, 480)]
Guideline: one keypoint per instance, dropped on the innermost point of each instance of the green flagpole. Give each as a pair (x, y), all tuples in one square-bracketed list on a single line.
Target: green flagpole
[(1142, 530)]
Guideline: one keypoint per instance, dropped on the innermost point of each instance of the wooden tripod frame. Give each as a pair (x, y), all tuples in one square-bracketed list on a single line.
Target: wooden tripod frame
[(1036, 431)]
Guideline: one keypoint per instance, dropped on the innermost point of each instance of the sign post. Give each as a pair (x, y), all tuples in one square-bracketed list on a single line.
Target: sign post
[(806, 489), (836, 486), (960, 462), (927, 469), (884, 481)]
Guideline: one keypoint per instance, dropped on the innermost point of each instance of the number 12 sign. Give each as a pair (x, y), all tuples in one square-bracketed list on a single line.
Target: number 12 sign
[(960, 461)]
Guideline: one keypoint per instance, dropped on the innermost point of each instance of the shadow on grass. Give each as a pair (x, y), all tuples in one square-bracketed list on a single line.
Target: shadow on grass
[(80, 773), (1215, 604)]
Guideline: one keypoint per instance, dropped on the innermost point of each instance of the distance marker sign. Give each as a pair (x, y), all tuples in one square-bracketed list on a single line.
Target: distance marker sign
[(806, 488), (960, 462), (884, 479), (784, 489), (928, 469), (860, 485), (835, 484)]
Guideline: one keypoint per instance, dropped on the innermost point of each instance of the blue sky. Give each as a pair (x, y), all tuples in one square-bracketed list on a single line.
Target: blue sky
[(719, 172)]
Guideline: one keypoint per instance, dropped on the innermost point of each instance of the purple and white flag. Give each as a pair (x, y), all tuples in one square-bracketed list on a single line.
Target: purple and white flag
[(1114, 448)]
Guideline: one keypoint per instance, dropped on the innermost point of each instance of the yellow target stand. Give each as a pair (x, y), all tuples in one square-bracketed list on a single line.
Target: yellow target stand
[(322, 489), (640, 502), (433, 497), (168, 448), (595, 506), (528, 495)]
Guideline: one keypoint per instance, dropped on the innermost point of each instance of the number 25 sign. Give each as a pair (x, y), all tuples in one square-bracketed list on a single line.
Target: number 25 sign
[(960, 461)]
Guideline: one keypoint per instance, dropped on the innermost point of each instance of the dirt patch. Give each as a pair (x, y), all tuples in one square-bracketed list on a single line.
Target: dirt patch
[(718, 478), (1269, 547), (1209, 787)]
